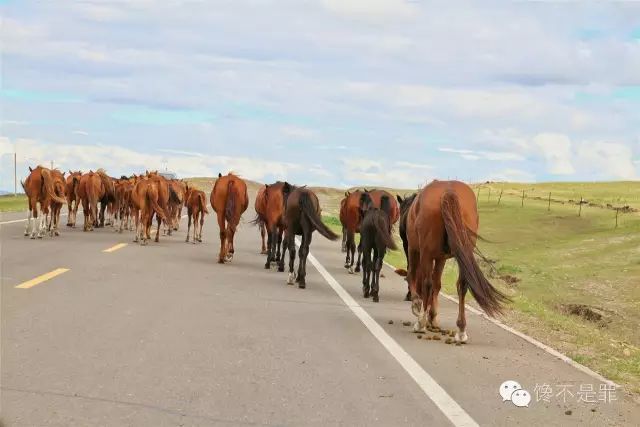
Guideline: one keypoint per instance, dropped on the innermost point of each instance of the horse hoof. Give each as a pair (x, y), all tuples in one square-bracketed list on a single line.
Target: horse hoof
[(302, 285), (281, 269), (365, 294), (375, 298), (417, 327), (267, 266), (220, 260), (408, 296), (461, 337), (357, 270), (346, 265), (351, 270), (292, 278)]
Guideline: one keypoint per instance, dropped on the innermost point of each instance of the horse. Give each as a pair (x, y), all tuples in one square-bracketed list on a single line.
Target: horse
[(176, 203), (59, 186), (145, 198), (350, 220), (107, 196), (124, 186), (275, 196), (442, 223), (166, 195), (229, 199), (405, 204), (40, 189), (260, 205), (73, 201), (376, 237), (196, 202), (302, 217), (343, 203)]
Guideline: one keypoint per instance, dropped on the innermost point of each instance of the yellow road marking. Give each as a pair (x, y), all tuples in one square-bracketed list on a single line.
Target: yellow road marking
[(47, 276), (115, 247)]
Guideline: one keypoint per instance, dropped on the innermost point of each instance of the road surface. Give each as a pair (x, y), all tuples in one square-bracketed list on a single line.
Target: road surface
[(163, 336)]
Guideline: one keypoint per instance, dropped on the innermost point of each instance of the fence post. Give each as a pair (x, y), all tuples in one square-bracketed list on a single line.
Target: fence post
[(522, 203), (500, 197), (617, 210), (489, 196), (549, 207), (478, 195), (580, 210)]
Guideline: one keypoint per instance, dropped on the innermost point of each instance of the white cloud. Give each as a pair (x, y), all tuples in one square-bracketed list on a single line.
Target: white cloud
[(556, 149), (371, 172), (298, 132), (511, 175), (367, 9), (80, 132), (608, 160), (488, 155)]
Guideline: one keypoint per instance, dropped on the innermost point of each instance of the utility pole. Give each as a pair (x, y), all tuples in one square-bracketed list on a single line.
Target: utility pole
[(15, 174)]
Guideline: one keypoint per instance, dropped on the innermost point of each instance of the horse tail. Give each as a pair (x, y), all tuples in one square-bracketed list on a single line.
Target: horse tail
[(230, 204), (109, 188), (203, 202), (258, 220), (153, 202), (381, 224), (489, 298), (23, 187), (310, 211), (49, 186), (173, 196)]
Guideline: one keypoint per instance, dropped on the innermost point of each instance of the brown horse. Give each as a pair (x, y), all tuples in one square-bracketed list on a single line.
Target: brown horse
[(405, 204), (343, 204), (275, 196), (302, 217), (89, 191), (145, 202), (442, 223), (124, 187), (196, 202), (350, 218), (176, 203), (40, 189), (229, 199), (73, 201), (165, 196), (59, 185), (260, 206)]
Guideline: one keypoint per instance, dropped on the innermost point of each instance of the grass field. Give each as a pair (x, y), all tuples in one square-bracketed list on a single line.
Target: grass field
[(11, 203), (573, 279)]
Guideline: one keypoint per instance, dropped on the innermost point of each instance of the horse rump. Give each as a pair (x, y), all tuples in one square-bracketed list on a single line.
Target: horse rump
[(462, 248), (309, 210)]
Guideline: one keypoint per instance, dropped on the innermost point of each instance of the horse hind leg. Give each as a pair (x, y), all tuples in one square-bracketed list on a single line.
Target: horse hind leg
[(377, 267), (436, 284), (291, 243), (461, 335)]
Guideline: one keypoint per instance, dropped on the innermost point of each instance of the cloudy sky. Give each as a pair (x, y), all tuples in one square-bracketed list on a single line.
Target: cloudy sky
[(334, 92)]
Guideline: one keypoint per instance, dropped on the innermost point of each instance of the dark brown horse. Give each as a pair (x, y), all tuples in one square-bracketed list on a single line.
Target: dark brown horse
[(196, 203), (442, 223), (73, 201), (302, 217), (40, 190), (229, 200), (376, 238), (275, 196), (405, 204)]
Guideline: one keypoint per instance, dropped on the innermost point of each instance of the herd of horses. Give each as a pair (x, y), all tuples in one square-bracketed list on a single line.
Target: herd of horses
[(438, 222)]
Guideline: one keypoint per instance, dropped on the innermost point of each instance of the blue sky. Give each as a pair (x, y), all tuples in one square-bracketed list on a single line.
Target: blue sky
[(332, 92)]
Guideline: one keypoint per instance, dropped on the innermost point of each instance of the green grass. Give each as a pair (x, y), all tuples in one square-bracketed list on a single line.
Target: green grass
[(12, 203), (561, 258)]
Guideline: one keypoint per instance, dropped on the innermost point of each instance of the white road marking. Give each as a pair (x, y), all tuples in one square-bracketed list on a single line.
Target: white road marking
[(528, 339), (23, 220), (449, 407)]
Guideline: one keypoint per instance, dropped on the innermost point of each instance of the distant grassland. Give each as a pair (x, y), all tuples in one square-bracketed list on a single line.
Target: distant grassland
[(11, 203), (573, 280)]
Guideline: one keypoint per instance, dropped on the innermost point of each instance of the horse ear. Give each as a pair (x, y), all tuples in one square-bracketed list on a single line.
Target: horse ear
[(266, 186), (30, 170), (346, 194), (399, 198), (70, 173), (63, 174), (219, 175), (286, 187)]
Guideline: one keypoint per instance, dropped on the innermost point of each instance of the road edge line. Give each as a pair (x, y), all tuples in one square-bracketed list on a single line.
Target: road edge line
[(447, 405)]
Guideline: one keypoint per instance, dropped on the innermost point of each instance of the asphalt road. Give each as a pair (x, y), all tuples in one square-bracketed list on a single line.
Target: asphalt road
[(163, 336)]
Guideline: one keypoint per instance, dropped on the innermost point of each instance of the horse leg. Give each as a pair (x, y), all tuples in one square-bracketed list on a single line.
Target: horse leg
[(378, 256), (343, 248), (436, 284), (263, 232), (188, 226), (348, 261), (461, 335), (291, 243), (359, 255), (284, 252), (159, 221), (279, 244), (425, 282), (27, 229), (272, 243), (366, 268), (307, 233), (223, 238), (201, 225)]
